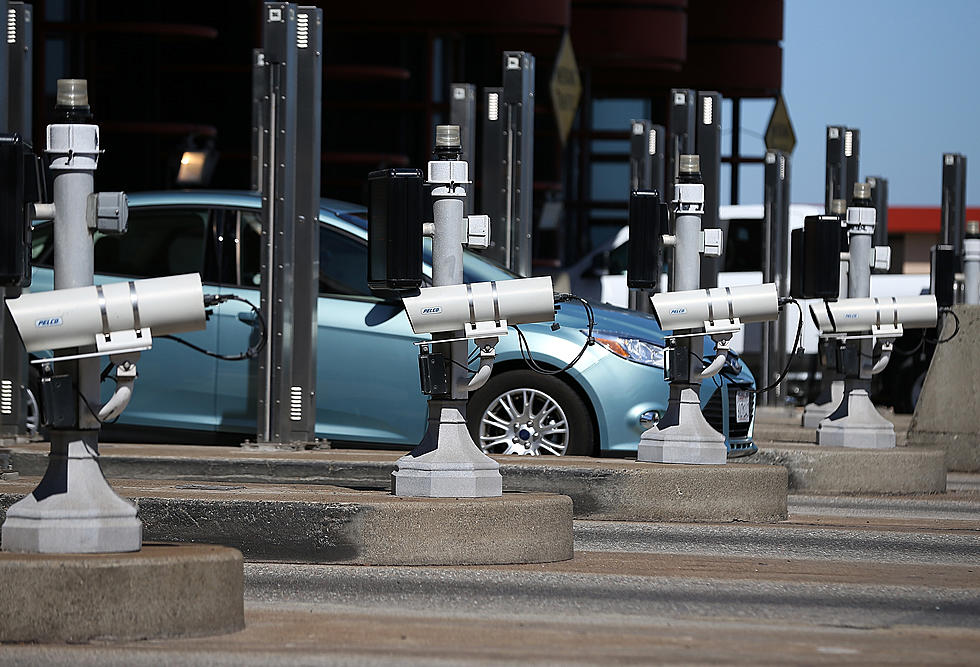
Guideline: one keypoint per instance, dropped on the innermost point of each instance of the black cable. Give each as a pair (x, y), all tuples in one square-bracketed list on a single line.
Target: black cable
[(789, 362), (956, 329), (251, 352), (525, 349), (713, 377)]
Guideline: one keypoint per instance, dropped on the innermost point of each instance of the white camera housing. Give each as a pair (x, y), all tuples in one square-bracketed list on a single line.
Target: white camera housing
[(880, 316), (718, 310), (115, 317), (481, 310)]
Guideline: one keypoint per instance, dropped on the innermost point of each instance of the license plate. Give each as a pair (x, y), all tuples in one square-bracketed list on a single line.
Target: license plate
[(743, 407)]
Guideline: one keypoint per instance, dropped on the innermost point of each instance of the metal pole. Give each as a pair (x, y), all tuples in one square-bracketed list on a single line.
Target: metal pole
[(707, 134), (260, 103), (518, 98), (278, 218), (301, 426), (953, 219), (971, 263), (879, 197), (462, 113), (736, 148), (852, 160), (682, 133), (646, 166), (13, 360), (835, 180), (492, 174), (4, 55), (775, 262)]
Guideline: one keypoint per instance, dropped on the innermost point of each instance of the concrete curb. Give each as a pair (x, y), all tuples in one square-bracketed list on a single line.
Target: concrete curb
[(321, 524), (161, 591), (608, 489), (900, 470)]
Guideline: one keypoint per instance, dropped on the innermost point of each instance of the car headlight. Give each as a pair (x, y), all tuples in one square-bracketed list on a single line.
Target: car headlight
[(636, 350)]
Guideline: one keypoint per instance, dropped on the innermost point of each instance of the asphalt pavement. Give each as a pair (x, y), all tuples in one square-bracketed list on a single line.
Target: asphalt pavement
[(846, 580)]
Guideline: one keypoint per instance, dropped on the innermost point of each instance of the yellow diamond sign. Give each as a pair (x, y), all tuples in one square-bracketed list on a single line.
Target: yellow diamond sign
[(566, 88), (779, 134)]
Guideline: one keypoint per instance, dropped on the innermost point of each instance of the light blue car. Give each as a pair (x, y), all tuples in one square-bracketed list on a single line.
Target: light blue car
[(367, 367)]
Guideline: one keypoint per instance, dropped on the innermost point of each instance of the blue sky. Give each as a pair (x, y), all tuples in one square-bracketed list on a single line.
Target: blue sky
[(904, 72)]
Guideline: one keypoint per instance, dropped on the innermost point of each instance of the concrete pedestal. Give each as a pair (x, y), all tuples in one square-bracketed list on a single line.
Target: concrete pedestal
[(447, 464), (161, 591), (682, 435), (856, 423), (73, 509)]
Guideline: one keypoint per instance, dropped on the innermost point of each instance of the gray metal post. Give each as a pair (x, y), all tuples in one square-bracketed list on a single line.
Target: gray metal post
[(13, 361), (647, 164), (642, 149), (260, 91), (879, 197), (74, 509), (518, 98), (835, 180), (852, 160), (4, 81), (775, 264), (681, 140), (683, 435), (20, 55), (493, 173), (971, 263), (462, 113), (447, 463), (281, 397), (953, 220), (301, 426), (707, 134)]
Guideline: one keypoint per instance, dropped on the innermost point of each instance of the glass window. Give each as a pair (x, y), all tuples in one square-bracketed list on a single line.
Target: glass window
[(343, 264), (159, 242), (343, 259)]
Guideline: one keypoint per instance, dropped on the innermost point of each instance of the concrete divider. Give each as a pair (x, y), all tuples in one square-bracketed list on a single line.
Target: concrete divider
[(159, 592), (323, 524), (610, 489), (947, 413)]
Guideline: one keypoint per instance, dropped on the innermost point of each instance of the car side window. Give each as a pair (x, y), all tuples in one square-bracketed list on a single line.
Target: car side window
[(343, 259), (619, 259), (159, 242), (343, 264)]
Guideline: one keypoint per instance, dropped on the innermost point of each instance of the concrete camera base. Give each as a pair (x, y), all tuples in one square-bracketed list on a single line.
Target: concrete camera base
[(325, 524), (822, 469), (161, 591)]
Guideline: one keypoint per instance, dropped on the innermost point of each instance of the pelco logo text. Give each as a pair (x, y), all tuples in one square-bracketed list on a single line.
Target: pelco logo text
[(48, 322)]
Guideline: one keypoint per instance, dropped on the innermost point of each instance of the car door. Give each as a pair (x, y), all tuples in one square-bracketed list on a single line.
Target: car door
[(367, 367), (176, 384)]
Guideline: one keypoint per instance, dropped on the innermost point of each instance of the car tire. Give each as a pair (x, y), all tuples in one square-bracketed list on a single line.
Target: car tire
[(498, 413)]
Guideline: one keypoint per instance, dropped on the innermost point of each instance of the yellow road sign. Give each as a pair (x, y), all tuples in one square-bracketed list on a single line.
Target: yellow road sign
[(566, 88), (779, 134)]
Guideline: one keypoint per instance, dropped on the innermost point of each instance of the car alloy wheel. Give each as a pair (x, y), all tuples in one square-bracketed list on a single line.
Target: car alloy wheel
[(524, 421)]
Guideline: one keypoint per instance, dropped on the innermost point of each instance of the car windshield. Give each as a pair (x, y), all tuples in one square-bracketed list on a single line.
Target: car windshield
[(476, 268)]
